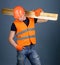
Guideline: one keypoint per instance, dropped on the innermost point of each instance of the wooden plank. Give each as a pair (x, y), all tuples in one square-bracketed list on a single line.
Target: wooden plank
[(43, 15)]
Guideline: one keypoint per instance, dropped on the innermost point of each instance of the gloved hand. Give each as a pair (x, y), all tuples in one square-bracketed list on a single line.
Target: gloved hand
[(38, 11), (19, 48)]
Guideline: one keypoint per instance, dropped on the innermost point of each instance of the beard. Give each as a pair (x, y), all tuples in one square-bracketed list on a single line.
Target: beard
[(22, 18)]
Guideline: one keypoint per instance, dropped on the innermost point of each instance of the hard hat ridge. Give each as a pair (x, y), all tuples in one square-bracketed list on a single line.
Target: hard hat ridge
[(18, 11)]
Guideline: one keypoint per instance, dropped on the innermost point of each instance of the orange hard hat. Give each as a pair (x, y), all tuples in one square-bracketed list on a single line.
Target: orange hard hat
[(18, 11)]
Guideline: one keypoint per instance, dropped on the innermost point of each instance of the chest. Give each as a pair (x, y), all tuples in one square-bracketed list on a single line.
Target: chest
[(24, 25)]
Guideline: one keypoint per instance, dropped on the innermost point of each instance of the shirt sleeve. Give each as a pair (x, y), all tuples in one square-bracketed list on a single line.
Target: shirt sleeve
[(35, 20), (13, 28)]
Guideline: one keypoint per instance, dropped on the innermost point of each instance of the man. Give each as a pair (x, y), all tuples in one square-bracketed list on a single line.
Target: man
[(24, 29)]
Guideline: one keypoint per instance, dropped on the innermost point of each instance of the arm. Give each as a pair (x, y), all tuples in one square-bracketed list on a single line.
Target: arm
[(11, 40), (41, 20), (37, 13)]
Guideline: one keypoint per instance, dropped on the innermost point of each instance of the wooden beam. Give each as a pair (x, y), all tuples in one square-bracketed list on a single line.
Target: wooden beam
[(43, 15)]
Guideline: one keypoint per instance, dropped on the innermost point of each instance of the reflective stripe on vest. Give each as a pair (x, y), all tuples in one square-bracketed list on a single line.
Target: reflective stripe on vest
[(25, 37), (29, 29)]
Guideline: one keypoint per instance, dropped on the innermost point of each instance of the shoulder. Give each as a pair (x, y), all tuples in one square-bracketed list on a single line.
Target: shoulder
[(34, 19), (13, 27)]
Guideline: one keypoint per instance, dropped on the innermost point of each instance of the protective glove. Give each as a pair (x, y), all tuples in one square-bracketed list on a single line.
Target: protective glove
[(19, 48), (38, 11)]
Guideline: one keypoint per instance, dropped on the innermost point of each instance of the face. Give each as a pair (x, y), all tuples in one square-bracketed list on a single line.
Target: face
[(22, 16)]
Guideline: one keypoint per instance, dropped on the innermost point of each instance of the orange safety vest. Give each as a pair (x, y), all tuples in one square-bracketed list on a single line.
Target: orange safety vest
[(25, 35)]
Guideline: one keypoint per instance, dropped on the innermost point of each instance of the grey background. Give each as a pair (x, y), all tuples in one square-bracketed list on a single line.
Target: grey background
[(48, 34)]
